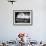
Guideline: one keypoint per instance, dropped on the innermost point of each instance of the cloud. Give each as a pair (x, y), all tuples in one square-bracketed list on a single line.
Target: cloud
[(22, 15)]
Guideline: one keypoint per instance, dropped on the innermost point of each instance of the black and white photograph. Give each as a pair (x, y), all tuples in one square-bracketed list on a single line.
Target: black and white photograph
[(22, 16)]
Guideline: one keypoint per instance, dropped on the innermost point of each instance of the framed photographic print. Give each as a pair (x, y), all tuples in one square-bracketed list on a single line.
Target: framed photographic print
[(22, 17)]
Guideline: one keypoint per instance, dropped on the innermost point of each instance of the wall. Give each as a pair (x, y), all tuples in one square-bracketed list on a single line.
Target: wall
[(37, 31)]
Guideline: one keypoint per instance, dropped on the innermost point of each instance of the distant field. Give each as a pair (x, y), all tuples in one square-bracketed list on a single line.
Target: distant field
[(22, 20)]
